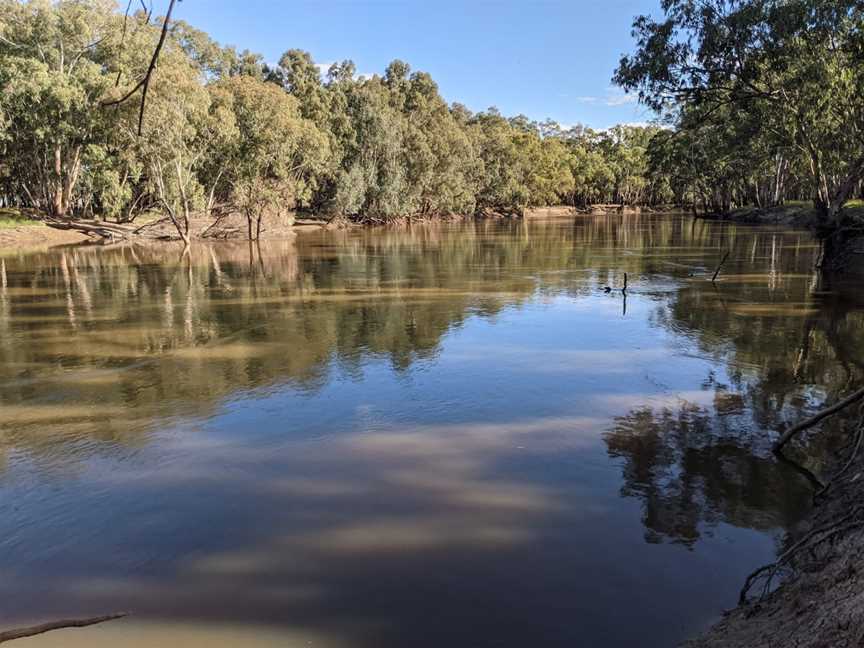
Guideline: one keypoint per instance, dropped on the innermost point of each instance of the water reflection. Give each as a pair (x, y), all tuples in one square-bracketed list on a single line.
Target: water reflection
[(694, 467), (329, 438)]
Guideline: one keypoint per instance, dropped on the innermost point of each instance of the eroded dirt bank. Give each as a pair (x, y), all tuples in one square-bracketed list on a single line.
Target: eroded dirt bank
[(821, 601)]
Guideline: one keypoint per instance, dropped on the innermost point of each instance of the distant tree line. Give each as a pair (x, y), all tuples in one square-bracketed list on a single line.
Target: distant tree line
[(223, 132), (765, 99)]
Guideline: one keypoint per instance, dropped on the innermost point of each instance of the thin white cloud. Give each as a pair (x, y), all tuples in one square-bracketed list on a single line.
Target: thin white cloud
[(613, 97), (621, 99)]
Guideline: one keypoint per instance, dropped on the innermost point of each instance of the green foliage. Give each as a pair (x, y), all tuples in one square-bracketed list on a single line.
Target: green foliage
[(269, 156), (223, 132), (765, 94), (14, 218)]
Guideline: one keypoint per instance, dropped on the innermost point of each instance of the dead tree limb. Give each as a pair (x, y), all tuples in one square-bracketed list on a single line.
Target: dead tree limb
[(144, 83), (813, 420), (717, 271), (20, 633), (161, 221)]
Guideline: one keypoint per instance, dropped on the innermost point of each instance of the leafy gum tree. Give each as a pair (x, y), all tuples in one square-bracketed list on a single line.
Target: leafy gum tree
[(799, 64), (53, 58), (272, 155)]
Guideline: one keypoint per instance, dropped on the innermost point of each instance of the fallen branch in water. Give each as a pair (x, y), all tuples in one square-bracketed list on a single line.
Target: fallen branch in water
[(106, 230), (717, 271), (813, 420), (21, 633)]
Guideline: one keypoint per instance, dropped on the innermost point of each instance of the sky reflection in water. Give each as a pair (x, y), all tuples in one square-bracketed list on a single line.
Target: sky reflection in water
[(449, 435)]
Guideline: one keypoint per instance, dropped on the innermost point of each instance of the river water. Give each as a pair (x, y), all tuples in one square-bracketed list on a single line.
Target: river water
[(443, 436)]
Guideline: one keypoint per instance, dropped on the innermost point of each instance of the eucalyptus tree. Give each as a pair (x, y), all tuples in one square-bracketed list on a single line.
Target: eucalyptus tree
[(270, 156), (798, 64), (53, 61), (223, 131), (173, 146), (502, 187)]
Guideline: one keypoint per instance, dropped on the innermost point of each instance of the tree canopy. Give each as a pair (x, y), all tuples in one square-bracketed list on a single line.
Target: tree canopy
[(224, 132), (759, 91)]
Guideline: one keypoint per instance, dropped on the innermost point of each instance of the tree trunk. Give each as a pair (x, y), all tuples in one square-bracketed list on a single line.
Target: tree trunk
[(833, 207)]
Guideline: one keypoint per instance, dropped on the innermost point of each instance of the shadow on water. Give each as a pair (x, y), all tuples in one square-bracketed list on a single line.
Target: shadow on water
[(410, 437)]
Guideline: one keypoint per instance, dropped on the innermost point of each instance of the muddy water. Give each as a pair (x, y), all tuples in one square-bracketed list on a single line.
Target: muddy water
[(445, 436)]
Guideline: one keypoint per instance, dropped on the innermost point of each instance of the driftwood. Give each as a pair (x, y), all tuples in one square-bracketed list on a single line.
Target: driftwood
[(105, 230), (820, 416), (20, 633)]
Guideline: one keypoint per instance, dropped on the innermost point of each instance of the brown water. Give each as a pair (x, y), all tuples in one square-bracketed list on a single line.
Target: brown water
[(449, 435)]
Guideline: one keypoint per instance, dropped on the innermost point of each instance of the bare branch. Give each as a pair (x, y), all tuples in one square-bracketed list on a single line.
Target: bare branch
[(145, 82)]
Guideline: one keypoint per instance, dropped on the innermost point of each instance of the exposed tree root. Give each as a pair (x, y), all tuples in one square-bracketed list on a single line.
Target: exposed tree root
[(856, 448), (809, 542)]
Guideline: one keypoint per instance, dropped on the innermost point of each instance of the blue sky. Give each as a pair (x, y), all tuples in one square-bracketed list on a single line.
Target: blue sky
[(543, 59)]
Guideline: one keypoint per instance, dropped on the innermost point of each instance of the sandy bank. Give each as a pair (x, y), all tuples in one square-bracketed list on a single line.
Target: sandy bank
[(35, 236)]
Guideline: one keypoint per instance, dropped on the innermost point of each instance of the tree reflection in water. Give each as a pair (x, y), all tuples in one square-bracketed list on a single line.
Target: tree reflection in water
[(694, 467)]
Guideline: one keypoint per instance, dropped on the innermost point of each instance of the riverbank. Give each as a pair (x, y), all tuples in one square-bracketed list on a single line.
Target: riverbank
[(22, 231), (19, 232), (792, 214), (821, 601)]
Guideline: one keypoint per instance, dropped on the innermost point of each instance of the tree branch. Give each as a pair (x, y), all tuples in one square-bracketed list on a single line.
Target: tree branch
[(145, 82)]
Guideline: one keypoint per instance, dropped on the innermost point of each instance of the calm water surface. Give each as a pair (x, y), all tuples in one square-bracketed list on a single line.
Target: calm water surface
[(444, 436)]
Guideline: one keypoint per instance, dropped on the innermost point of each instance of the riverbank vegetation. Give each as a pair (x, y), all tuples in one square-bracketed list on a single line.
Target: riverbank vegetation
[(225, 133), (761, 104), (763, 99)]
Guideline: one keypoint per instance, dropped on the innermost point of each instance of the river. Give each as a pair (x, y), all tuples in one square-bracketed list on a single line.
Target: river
[(449, 435)]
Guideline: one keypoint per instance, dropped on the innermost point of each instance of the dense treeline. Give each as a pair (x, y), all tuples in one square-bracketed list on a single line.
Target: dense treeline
[(225, 133), (765, 97)]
